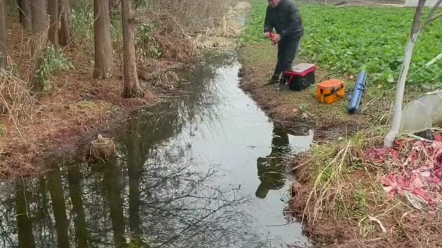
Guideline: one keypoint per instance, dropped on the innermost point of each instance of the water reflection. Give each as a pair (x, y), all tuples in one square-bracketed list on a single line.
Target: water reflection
[(270, 168), (164, 189), (161, 204)]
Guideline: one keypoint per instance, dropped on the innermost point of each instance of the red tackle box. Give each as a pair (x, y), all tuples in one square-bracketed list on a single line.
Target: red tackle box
[(302, 76)]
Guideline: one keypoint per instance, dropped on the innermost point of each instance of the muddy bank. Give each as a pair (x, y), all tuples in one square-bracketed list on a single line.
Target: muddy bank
[(296, 111)]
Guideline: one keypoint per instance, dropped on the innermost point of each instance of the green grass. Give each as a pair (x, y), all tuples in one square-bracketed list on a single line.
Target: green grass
[(348, 39)]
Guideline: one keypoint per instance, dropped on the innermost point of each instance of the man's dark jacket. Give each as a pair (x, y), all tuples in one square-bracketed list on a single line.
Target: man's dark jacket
[(285, 18)]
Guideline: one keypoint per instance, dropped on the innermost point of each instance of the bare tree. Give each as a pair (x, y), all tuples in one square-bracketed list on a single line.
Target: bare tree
[(3, 35), (25, 14), (102, 40), (53, 24), (131, 84), (39, 43), (416, 30), (64, 33)]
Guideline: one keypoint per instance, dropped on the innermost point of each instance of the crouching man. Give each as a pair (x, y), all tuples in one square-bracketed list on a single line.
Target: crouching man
[(284, 17)]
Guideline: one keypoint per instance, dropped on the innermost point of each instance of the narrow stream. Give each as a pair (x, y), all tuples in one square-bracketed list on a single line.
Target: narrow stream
[(203, 170)]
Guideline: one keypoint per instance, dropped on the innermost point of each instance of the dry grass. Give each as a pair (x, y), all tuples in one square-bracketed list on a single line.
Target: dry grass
[(191, 16), (224, 34), (340, 198), (183, 27), (16, 101)]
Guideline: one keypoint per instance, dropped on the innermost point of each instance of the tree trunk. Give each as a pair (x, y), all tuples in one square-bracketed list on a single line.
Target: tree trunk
[(38, 44), (25, 14), (53, 24), (131, 85), (3, 35), (416, 29), (397, 114), (102, 40), (64, 33)]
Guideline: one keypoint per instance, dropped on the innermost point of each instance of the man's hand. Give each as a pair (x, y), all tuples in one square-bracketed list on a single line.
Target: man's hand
[(276, 38), (267, 34)]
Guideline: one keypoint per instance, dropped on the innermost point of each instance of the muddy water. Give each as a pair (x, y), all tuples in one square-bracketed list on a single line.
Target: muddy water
[(203, 170)]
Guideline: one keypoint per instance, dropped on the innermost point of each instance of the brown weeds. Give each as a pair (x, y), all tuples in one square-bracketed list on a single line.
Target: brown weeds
[(16, 100)]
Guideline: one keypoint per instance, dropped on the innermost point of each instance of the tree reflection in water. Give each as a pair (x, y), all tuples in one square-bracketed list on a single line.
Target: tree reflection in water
[(146, 195), (164, 203)]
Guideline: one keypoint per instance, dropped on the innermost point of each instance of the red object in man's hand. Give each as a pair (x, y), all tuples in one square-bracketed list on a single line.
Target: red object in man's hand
[(271, 35)]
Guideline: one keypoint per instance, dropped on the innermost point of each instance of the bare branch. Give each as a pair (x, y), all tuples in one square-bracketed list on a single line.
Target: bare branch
[(430, 17), (435, 17), (415, 29)]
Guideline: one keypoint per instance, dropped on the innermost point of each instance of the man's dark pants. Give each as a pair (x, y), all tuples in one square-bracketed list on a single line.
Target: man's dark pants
[(287, 49)]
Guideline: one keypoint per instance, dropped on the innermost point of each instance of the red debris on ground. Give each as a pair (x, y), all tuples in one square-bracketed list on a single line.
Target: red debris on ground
[(417, 170)]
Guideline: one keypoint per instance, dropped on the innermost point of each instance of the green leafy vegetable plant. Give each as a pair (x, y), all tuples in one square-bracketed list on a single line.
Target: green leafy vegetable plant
[(348, 39)]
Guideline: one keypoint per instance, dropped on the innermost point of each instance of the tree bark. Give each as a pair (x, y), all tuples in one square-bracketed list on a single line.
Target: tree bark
[(416, 29), (38, 44), (53, 23), (25, 14), (3, 36), (131, 84), (102, 40), (64, 33)]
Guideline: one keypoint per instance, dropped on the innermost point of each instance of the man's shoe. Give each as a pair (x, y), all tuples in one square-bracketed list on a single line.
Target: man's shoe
[(273, 80)]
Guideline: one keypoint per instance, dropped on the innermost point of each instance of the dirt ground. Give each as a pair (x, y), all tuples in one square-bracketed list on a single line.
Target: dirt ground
[(300, 111), (73, 111)]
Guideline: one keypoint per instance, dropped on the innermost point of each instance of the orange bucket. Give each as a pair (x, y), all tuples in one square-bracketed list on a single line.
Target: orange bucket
[(330, 91)]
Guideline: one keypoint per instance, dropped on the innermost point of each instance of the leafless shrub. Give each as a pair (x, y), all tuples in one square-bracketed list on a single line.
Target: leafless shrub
[(192, 16), (181, 25), (16, 100)]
